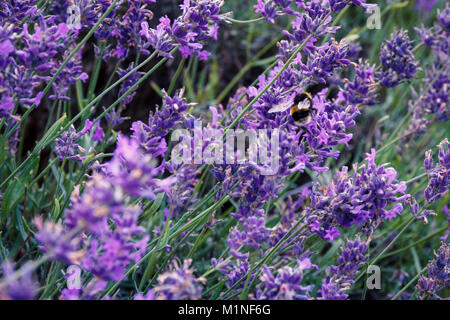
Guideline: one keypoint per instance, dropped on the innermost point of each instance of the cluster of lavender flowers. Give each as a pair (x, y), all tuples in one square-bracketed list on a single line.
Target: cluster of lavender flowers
[(67, 146), (434, 98), (307, 148), (365, 199), (28, 59), (272, 9), (120, 30), (100, 231), (190, 31), (101, 235), (438, 274), (285, 285), (22, 288), (397, 60), (104, 210)]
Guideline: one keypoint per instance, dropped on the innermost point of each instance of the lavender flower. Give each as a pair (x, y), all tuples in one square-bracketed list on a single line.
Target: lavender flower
[(285, 285), (272, 9), (397, 59), (326, 60), (421, 215), (102, 233), (72, 73), (73, 278), (326, 130), (107, 252), (314, 21), (340, 277), (75, 290), (57, 242), (338, 5), (445, 211), (128, 28), (114, 118), (109, 256), (67, 147), (267, 9), (22, 288), (169, 115), (253, 235), (438, 274), (182, 194), (426, 5), (159, 39), (28, 60), (438, 173), (234, 271), (176, 284), (15, 11), (433, 103), (150, 136), (133, 170), (362, 89), (290, 215), (373, 194), (197, 24), (104, 211)]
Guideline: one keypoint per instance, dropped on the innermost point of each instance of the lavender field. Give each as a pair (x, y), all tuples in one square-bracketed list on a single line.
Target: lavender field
[(224, 150)]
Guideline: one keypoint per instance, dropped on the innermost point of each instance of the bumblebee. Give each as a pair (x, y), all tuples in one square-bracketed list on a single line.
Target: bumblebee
[(300, 109)]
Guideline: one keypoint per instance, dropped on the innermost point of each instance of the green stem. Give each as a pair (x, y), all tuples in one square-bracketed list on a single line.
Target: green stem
[(244, 21), (408, 284), (79, 93), (95, 72), (393, 253), (420, 176), (175, 77)]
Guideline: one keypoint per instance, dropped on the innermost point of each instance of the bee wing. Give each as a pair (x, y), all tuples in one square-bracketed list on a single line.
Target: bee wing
[(281, 107)]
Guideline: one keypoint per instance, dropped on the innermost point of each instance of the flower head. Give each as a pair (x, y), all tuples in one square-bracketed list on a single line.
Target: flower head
[(177, 284), (197, 23), (397, 59), (362, 89), (438, 173), (438, 273), (371, 195), (17, 288), (285, 285), (340, 277)]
